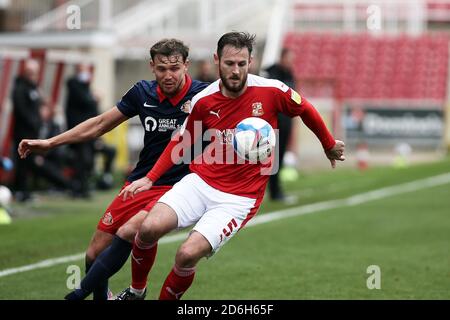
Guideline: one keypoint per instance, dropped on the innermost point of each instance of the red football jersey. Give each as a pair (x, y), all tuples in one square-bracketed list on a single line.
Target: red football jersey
[(219, 115)]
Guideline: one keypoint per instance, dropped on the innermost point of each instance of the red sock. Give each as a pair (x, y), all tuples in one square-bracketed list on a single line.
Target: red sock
[(177, 283), (142, 259)]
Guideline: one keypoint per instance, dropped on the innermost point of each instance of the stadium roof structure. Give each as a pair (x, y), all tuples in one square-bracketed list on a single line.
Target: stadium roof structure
[(57, 39), (128, 27)]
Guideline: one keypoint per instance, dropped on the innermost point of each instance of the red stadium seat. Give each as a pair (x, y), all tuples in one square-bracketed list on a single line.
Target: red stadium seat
[(400, 67)]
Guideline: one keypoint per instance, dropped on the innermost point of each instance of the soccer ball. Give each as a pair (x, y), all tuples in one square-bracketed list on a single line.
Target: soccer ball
[(254, 139), (5, 196)]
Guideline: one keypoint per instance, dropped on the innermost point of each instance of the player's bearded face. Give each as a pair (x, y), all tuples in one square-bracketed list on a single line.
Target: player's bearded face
[(170, 73), (233, 68)]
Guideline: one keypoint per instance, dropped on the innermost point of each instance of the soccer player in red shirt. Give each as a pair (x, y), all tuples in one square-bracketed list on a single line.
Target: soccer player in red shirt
[(219, 198)]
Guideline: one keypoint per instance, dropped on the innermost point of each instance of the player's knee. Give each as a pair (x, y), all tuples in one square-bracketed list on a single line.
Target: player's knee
[(150, 231), (187, 257), (91, 253), (127, 232), (88, 259), (100, 241)]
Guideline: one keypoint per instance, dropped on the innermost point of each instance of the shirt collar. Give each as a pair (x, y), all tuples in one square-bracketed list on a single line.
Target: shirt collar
[(179, 96)]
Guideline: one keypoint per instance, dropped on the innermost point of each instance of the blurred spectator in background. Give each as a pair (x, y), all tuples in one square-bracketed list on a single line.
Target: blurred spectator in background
[(60, 157), (108, 152), (81, 104), (27, 101), (27, 104), (204, 72), (402, 155), (362, 155), (281, 71)]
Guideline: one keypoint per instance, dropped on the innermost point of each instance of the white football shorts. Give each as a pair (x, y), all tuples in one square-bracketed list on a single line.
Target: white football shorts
[(217, 215)]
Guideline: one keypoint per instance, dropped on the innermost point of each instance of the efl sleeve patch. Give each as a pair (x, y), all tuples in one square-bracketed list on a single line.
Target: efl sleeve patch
[(295, 96)]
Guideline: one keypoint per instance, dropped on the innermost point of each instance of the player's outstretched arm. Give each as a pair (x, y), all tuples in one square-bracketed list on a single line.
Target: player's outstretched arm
[(334, 149), (336, 153), (87, 130)]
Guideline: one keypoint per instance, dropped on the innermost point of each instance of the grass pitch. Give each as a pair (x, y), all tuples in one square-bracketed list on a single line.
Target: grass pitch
[(323, 255)]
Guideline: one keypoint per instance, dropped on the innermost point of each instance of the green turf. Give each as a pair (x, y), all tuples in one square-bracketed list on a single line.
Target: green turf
[(318, 256)]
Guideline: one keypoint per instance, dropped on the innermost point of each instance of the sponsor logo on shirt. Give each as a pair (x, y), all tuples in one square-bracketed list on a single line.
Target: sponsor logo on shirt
[(162, 125), (167, 124), (150, 124), (225, 136)]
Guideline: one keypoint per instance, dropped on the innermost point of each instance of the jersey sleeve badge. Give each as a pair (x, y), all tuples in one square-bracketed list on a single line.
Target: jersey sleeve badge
[(295, 96)]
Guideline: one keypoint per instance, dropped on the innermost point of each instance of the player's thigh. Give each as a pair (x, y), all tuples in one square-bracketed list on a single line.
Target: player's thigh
[(120, 212), (99, 242), (220, 224), (195, 247), (160, 220), (187, 200), (131, 227)]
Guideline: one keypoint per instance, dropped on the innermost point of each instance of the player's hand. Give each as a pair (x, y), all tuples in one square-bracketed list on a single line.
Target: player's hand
[(135, 187), (37, 146), (336, 153)]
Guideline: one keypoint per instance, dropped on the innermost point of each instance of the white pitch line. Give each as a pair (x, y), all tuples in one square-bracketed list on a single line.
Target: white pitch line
[(276, 215), (75, 257)]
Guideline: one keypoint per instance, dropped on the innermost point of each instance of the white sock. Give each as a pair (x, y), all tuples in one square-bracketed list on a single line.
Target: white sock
[(138, 292)]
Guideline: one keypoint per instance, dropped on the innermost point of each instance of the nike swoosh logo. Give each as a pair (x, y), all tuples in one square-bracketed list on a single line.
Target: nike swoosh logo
[(149, 105)]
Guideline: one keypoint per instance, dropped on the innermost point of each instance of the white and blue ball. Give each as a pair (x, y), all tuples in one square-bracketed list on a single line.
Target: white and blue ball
[(254, 139)]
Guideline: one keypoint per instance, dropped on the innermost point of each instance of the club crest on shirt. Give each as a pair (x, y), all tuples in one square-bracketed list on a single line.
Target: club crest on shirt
[(108, 219), (257, 109), (186, 107)]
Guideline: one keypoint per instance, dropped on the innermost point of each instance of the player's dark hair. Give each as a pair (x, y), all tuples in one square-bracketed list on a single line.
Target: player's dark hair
[(169, 47), (236, 39)]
